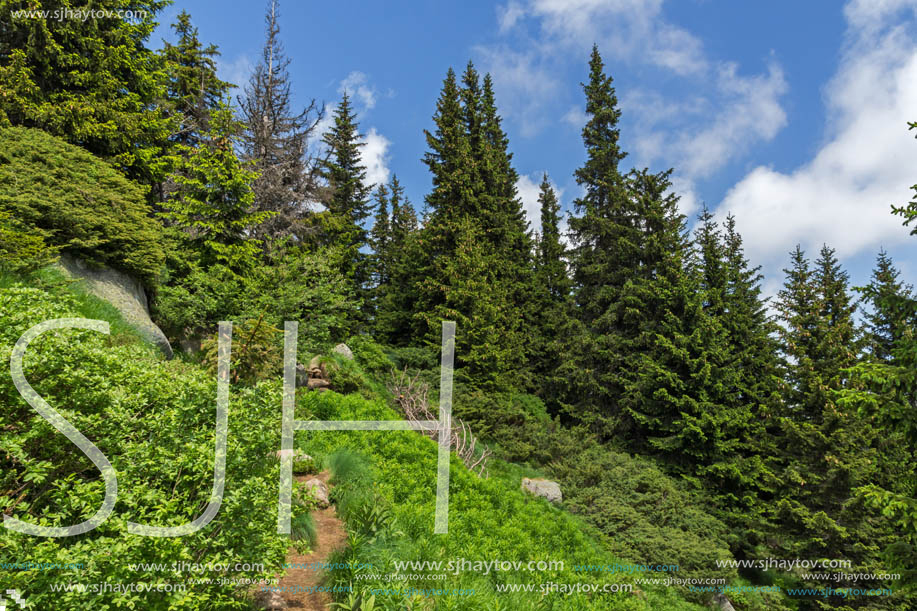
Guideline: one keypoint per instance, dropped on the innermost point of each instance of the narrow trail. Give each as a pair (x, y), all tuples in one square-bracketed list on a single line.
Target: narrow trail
[(331, 535)]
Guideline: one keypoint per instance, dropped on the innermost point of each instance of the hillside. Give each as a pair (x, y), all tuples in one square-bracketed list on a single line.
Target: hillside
[(154, 420)]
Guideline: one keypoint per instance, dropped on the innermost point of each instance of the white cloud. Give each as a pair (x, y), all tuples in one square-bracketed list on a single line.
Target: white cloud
[(751, 112), (508, 15), (843, 194), (625, 29), (575, 117), (719, 113), (523, 85), (375, 157), (356, 85), (236, 71)]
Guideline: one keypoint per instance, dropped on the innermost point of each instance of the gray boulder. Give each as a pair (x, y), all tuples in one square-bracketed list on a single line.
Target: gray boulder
[(270, 600), (318, 490), (123, 292), (722, 603), (543, 488), (344, 351), (302, 375)]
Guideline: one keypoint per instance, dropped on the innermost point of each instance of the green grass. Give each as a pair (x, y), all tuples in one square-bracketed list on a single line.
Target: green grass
[(385, 491)]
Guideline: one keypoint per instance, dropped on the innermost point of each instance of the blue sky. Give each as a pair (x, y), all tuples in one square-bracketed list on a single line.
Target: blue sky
[(792, 115)]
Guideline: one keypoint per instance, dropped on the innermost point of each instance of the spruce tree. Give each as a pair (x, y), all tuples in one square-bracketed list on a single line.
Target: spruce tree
[(606, 242), (94, 84), (213, 201), (276, 140), (825, 449), (551, 259), (348, 200), (474, 184), (552, 289), (394, 323), (745, 387), (380, 238), (193, 88), (890, 319)]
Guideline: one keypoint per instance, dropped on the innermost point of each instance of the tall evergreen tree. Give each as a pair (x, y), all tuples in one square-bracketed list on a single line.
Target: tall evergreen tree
[(745, 354), (551, 260), (605, 252), (213, 201), (394, 322), (552, 288), (276, 140), (825, 449), (797, 305), (474, 184), (348, 201), (380, 238), (890, 319), (193, 88)]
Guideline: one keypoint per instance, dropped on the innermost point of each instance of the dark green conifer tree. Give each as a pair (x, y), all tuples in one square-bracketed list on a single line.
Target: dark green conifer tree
[(474, 204), (890, 320), (193, 88), (96, 87), (394, 322), (348, 201), (552, 289), (606, 241)]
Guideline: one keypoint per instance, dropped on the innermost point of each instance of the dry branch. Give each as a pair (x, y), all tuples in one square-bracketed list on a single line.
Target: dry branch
[(411, 395)]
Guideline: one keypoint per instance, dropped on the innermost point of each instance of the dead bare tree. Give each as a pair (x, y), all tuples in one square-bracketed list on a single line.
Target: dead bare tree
[(411, 395)]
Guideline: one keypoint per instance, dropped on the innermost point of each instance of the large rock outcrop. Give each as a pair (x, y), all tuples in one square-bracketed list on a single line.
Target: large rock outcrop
[(543, 488), (123, 292)]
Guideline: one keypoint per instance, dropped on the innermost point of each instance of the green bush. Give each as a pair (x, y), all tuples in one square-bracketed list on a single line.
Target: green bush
[(79, 203), (304, 465), (154, 420), (22, 250), (290, 285), (256, 353), (370, 356)]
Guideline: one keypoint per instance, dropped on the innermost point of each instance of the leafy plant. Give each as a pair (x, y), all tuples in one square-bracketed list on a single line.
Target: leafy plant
[(304, 465), (255, 355)]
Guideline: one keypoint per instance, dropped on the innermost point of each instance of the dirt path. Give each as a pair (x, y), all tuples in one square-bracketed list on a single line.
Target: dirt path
[(331, 535)]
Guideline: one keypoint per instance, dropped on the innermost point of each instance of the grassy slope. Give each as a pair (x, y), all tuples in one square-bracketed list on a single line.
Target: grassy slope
[(490, 519), (154, 419)]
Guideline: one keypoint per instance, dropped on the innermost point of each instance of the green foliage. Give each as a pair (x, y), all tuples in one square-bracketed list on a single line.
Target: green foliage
[(213, 201), (349, 198), (79, 203), (489, 518), (290, 285), (154, 420), (22, 250), (91, 82), (474, 251), (370, 355), (256, 353), (395, 260), (891, 319), (304, 466), (303, 531), (193, 88)]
